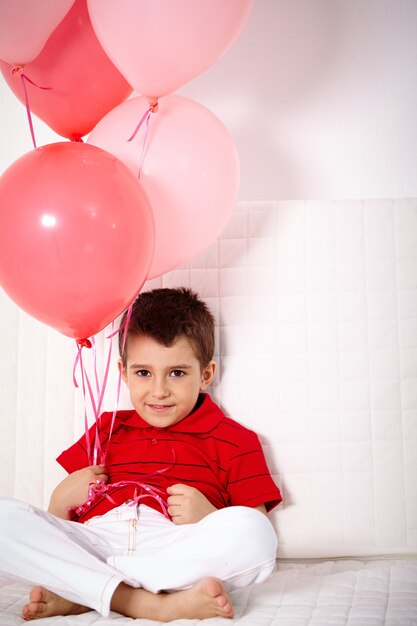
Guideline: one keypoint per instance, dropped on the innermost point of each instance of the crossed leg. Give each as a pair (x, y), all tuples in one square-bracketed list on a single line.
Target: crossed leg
[(207, 598)]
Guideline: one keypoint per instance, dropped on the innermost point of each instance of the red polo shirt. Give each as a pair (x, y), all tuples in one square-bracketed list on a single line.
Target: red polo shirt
[(206, 450)]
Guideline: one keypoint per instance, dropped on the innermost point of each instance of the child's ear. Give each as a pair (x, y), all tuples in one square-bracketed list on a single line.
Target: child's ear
[(207, 375), (122, 370)]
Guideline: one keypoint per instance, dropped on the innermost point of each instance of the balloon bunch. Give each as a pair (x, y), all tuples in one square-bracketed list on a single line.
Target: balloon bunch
[(83, 225)]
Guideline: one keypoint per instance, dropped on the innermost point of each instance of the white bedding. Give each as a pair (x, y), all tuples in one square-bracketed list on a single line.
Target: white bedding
[(327, 593)]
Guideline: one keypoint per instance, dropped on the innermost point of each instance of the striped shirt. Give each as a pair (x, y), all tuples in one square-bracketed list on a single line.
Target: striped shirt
[(206, 450)]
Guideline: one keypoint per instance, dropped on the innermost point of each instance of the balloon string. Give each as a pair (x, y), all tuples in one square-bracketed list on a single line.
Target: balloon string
[(93, 346), (96, 455), (119, 382), (153, 108), (126, 327), (106, 375), (95, 396), (28, 112), (17, 70), (144, 117), (78, 359), (99, 488)]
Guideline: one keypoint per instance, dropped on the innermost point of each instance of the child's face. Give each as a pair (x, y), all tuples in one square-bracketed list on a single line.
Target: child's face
[(164, 382)]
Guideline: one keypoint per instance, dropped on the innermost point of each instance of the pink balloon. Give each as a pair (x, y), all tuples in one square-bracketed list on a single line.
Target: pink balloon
[(25, 26), (190, 172), (159, 45), (83, 83), (76, 236)]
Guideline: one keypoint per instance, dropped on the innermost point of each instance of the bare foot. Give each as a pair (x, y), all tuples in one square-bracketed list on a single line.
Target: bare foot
[(207, 598), (44, 603)]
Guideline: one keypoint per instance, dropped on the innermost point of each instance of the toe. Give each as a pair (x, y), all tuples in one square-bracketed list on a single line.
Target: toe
[(38, 594), (221, 601), (228, 610), (225, 607), (31, 611), (213, 587)]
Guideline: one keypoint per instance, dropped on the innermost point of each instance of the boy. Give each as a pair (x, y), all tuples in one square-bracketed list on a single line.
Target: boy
[(158, 532)]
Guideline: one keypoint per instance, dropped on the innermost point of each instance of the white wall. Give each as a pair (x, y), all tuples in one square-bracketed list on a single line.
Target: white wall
[(316, 341), (319, 95)]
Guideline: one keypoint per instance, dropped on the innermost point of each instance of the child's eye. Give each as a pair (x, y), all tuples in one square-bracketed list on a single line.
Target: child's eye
[(177, 373), (143, 373)]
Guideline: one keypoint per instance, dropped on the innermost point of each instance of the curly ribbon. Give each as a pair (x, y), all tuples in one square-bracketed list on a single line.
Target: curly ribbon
[(153, 108), (99, 488), (17, 70)]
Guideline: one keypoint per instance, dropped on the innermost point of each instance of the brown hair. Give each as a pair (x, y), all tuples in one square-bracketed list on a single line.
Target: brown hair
[(166, 314)]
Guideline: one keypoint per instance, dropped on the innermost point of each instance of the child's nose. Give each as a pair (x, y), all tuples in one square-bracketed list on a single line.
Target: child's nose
[(160, 388)]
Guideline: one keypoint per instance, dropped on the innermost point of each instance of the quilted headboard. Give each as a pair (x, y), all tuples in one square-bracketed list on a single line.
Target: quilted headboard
[(316, 304)]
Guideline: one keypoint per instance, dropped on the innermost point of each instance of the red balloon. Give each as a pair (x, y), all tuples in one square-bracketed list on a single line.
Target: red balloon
[(76, 236), (83, 83)]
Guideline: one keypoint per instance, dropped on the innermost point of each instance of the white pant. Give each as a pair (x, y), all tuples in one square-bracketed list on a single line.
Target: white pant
[(84, 563)]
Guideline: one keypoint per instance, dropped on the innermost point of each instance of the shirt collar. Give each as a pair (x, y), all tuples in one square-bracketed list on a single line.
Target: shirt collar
[(206, 417)]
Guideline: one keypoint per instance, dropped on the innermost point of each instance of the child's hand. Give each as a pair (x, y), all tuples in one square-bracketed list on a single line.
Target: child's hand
[(187, 505), (73, 490)]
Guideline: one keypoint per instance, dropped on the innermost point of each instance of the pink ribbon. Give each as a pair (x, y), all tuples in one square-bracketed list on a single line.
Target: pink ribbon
[(95, 396), (17, 70), (119, 381), (99, 489), (153, 108), (95, 454)]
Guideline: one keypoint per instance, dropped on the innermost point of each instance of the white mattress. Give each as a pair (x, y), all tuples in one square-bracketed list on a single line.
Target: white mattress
[(335, 593)]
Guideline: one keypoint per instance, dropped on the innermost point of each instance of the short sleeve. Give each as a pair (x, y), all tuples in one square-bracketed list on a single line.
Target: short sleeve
[(75, 457), (249, 480)]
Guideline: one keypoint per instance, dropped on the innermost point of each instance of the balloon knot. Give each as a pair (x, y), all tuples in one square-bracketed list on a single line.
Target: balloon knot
[(17, 70), (84, 343), (76, 138), (153, 105)]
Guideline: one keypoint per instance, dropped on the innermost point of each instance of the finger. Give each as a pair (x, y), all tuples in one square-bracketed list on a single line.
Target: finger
[(175, 512), (178, 519), (96, 479), (174, 500), (97, 483), (98, 469), (177, 489)]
